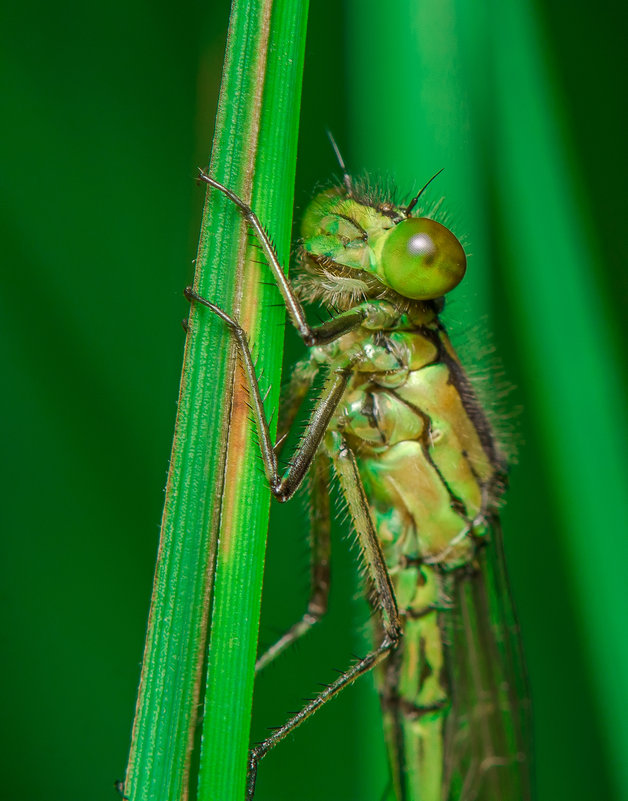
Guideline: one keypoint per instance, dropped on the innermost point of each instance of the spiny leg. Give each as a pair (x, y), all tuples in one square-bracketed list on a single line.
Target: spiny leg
[(384, 601), (320, 553), (353, 490), (284, 487), (311, 335)]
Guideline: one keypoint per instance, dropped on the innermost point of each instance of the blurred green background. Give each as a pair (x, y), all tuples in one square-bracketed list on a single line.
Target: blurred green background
[(108, 110)]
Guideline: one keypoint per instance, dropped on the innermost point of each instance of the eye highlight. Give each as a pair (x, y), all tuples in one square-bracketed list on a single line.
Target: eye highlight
[(422, 259), (421, 245)]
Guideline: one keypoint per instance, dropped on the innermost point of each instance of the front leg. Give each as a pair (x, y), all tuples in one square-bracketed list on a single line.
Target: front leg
[(283, 487), (311, 335)]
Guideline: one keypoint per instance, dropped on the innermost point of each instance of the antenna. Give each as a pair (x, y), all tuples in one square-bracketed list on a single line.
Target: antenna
[(346, 178), (415, 199)]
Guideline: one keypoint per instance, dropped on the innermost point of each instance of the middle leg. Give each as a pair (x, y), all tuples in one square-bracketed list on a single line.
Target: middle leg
[(320, 555)]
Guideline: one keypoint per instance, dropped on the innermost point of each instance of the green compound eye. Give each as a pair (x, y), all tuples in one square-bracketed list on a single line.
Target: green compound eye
[(422, 259)]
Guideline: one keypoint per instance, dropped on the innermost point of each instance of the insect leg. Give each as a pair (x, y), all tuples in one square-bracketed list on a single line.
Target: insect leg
[(284, 487), (346, 467), (353, 491), (320, 545), (300, 382), (311, 335)]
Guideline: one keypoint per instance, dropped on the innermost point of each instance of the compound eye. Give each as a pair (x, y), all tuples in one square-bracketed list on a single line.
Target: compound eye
[(422, 259)]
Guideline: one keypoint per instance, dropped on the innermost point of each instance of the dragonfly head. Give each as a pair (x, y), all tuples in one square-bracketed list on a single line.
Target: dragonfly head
[(356, 246)]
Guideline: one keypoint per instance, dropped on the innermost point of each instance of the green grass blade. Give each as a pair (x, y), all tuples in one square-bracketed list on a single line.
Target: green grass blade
[(239, 568), (215, 472)]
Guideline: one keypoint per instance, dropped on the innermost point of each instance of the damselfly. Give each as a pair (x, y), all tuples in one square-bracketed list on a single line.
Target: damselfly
[(421, 474)]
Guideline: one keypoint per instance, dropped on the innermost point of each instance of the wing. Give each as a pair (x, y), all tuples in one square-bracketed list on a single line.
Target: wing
[(487, 736)]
